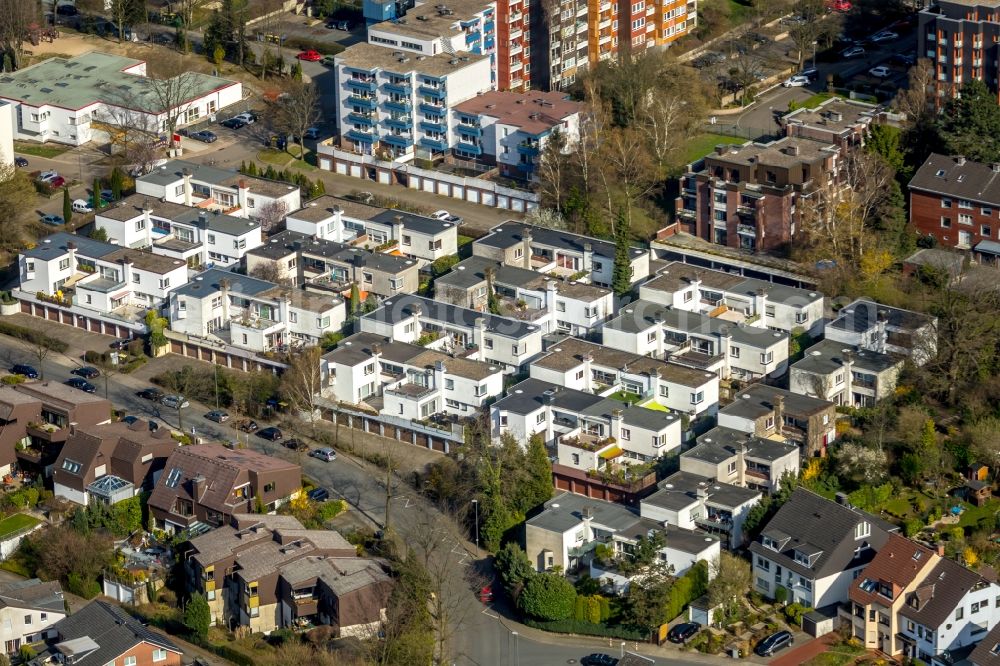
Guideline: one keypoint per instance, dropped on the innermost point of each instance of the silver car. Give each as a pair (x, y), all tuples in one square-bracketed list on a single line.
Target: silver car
[(174, 401), (326, 454)]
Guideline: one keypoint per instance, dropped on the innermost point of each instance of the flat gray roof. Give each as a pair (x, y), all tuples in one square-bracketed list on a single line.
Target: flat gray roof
[(367, 57), (399, 307)]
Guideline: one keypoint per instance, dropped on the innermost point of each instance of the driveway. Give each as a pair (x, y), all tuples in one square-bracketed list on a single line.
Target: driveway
[(802, 653)]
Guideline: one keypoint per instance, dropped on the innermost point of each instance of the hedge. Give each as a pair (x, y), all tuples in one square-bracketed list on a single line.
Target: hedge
[(32, 336), (588, 629), (687, 588)]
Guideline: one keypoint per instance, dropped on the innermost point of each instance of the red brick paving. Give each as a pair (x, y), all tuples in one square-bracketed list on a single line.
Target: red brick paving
[(800, 654)]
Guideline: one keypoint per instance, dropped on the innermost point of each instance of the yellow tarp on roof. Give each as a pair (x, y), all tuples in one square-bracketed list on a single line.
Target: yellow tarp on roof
[(612, 452)]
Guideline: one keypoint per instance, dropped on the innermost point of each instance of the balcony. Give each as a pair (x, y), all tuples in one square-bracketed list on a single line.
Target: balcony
[(516, 67), (398, 88), (411, 391), (397, 140), (717, 520), (604, 39), (428, 126), (400, 122), (428, 91), (746, 229), (516, 33), (488, 27), (102, 285), (363, 86), (433, 144), (471, 148), (402, 106), (746, 210), (364, 102), (362, 118), (432, 109), (516, 48), (605, 24), (358, 135), (469, 130), (528, 148), (759, 473)]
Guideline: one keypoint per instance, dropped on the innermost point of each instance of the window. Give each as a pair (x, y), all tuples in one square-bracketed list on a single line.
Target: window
[(130, 660), (734, 352), (862, 530), (513, 350), (986, 211), (540, 417), (731, 468), (240, 244), (159, 654), (766, 357), (449, 384), (975, 607), (488, 343), (42, 617), (211, 239), (964, 203), (71, 466), (251, 203), (945, 202), (182, 305), (964, 218), (27, 618), (960, 611), (945, 222), (64, 264), (697, 398), (664, 391), (769, 311), (164, 283), (598, 266), (985, 230), (140, 224), (763, 564), (518, 252), (503, 420), (368, 278), (369, 369), (560, 306), (688, 295), (579, 374), (626, 435)]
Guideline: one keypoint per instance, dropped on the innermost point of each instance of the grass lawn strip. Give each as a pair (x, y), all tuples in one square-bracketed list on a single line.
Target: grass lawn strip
[(16, 523)]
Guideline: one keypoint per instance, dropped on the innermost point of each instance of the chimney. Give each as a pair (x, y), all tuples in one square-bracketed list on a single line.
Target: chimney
[(203, 220), (416, 312), (741, 465), (397, 229), (338, 224), (779, 413), (186, 176), (659, 321), (882, 336), (960, 160), (147, 221), (940, 548), (376, 350), (841, 498), (725, 338), (71, 249), (479, 334), (588, 257), (760, 307), (721, 149), (439, 371), (526, 251), (848, 379), (617, 416), (659, 379), (792, 150), (702, 492), (242, 190), (588, 377), (224, 290), (198, 487), (588, 515), (836, 116), (551, 291)]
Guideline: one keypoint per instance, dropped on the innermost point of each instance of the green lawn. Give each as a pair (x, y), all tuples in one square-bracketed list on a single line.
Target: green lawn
[(655, 406), (625, 396), (13, 524), (973, 514), (816, 100), (464, 240), (738, 11), (47, 150), (702, 144), (841, 654)]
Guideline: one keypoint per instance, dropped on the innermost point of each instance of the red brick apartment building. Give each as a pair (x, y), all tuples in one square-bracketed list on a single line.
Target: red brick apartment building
[(746, 196), (957, 202)]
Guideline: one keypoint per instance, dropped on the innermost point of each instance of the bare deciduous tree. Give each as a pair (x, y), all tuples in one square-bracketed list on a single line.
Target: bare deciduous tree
[(297, 111), (169, 89), (270, 215), (301, 383), (17, 196), (186, 10), (15, 17)]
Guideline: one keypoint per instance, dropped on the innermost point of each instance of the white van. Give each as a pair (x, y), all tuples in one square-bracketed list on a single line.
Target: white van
[(80, 206)]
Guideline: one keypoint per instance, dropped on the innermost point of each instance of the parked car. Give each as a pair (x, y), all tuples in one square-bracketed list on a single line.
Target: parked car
[(271, 434), (249, 117), (773, 643), (295, 444), (853, 52), (319, 494), (681, 633), (325, 454), (796, 81), (905, 59), (598, 659), (810, 73), (153, 394), (130, 419), (21, 161), (56, 182), (54, 220), (67, 10), (329, 60), (883, 36), (87, 372), (486, 594), (233, 123), (247, 425), (80, 206), (311, 133), (82, 384), (25, 371), (838, 5), (217, 415), (310, 56), (204, 136), (445, 216), (344, 25), (174, 401), (47, 176), (880, 72)]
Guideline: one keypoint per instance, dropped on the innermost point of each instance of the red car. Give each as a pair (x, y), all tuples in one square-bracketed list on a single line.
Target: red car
[(486, 594), (57, 182), (838, 5), (311, 56)]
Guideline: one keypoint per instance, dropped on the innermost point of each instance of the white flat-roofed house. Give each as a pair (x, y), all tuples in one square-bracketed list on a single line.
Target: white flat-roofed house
[(845, 375), (586, 366), (419, 237), (699, 341), (737, 299), (228, 191), (414, 382), (742, 459), (197, 236), (101, 276), (88, 97), (502, 341), (253, 314), (887, 330)]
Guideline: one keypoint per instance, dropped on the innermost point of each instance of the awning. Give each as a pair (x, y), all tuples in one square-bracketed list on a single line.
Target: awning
[(611, 452), (988, 246)]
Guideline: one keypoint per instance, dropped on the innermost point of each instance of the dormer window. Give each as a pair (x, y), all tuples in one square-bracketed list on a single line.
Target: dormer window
[(769, 543), (862, 530)]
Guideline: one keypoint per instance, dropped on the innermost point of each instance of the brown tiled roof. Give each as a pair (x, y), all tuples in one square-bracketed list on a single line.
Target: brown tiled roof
[(897, 564), (533, 112), (966, 180), (987, 653), (933, 602)]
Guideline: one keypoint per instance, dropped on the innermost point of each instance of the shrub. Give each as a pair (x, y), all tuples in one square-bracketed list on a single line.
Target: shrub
[(198, 616), (570, 626), (794, 612), (780, 594), (88, 588), (10, 380), (548, 596), (687, 588), (32, 336)]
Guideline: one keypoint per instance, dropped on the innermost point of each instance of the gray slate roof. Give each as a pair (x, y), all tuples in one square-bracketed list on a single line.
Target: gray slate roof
[(642, 315), (680, 490), (862, 315), (975, 181), (722, 443), (54, 246), (758, 400), (284, 243), (935, 599), (512, 233), (207, 283), (402, 306), (33, 594), (814, 523), (111, 628), (827, 356)]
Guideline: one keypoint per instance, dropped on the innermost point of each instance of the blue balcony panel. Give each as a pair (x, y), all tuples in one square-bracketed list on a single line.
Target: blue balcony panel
[(527, 149), (355, 135), (433, 127), (398, 88), (433, 110), (469, 130), (400, 141), (397, 106), (470, 148), (396, 122), (436, 93), (363, 102), (367, 86), (488, 26), (433, 144), (360, 119)]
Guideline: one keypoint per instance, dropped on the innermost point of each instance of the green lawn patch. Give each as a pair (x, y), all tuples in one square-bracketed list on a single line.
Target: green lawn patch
[(816, 100), (276, 157), (625, 396), (838, 655), (899, 507), (16, 523), (655, 406), (702, 144), (738, 12), (47, 150), (973, 514), (464, 240)]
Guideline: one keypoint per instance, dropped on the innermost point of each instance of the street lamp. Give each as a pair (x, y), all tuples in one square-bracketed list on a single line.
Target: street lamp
[(623, 649), (517, 659), (475, 503)]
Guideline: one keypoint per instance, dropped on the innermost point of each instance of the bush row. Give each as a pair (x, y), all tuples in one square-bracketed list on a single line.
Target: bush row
[(32, 336), (587, 629)]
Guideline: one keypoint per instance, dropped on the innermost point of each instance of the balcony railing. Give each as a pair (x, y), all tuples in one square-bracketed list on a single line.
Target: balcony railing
[(747, 229), (527, 148), (402, 106), (364, 102), (358, 84)]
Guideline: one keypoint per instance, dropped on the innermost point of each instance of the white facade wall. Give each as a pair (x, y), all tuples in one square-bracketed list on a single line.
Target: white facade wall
[(15, 625), (6, 133), (681, 560), (73, 495)]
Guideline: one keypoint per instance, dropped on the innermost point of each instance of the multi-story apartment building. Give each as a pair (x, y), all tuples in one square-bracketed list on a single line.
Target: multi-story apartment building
[(689, 338), (838, 121), (750, 196), (887, 330), (197, 237), (414, 382), (771, 412), (561, 46), (591, 432), (960, 39), (503, 341), (560, 306), (332, 267), (845, 376), (623, 28), (225, 190), (510, 130), (422, 238), (740, 300), (690, 501), (209, 484), (957, 202), (398, 104), (742, 459), (586, 366), (553, 251), (98, 276), (75, 100), (253, 314)]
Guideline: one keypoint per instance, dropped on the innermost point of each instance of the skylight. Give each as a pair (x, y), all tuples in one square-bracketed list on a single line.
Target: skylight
[(174, 477)]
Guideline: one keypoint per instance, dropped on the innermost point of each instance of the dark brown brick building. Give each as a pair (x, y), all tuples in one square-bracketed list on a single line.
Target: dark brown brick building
[(747, 196), (957, 202)]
